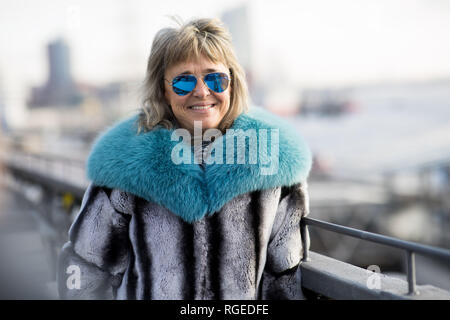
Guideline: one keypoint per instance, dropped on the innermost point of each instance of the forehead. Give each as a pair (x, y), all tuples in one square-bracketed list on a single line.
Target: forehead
[(197, 66)]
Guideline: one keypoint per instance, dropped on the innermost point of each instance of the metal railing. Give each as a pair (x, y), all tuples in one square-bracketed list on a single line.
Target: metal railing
[(410, 247), (47, 169)]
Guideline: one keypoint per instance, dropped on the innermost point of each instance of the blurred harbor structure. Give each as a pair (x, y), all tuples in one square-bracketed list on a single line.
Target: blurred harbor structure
[(389, 159), (65, 109)]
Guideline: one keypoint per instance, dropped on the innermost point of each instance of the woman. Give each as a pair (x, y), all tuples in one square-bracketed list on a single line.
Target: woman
[(167, 217)]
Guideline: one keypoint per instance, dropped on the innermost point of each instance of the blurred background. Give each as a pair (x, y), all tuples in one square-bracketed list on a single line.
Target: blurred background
[(367, 83)]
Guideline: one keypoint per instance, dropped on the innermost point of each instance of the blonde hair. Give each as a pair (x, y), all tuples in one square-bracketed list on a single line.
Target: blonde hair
[(196, 38)]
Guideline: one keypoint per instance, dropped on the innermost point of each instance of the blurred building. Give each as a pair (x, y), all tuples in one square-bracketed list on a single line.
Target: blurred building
[(3, 123), (278, 96), (64, 106), (60, 89), (237, 20)]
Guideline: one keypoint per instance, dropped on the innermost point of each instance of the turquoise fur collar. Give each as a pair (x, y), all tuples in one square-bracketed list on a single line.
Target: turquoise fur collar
[(142, 165)]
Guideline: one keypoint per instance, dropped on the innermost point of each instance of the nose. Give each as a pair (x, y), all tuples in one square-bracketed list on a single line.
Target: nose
[(201, 89)]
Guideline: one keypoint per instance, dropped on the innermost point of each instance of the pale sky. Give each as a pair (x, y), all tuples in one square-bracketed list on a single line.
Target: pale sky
[(343, 41), (309, 43)]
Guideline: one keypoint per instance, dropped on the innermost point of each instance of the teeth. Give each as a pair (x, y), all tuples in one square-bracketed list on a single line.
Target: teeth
[(201, 107)]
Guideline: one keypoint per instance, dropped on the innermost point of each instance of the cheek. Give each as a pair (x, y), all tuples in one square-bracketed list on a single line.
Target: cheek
[(226, 99), (172, 99), (177, 105), (168, 96)]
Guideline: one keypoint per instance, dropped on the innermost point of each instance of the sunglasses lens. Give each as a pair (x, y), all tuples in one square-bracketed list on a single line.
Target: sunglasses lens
[(218, 82), (183, 84)]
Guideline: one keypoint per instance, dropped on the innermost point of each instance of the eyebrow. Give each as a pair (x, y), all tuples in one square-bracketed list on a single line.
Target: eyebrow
[(203, 71)]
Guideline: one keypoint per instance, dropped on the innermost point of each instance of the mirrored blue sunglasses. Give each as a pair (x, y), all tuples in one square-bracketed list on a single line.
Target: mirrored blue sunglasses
[(185, 83)]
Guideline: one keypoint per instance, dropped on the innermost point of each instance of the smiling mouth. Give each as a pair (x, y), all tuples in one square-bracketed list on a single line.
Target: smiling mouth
[(202, 107)]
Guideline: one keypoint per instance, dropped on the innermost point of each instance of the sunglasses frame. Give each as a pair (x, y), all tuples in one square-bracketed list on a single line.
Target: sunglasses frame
[(228, 77)]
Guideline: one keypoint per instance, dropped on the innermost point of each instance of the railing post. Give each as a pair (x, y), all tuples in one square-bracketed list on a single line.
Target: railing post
[(304, 232), (411, 273)]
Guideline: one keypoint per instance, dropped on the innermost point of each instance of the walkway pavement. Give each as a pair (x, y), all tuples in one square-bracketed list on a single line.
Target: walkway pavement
[(24, 266)]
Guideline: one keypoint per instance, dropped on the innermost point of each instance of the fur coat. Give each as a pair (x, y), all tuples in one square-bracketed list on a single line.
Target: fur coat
[(151, 227)]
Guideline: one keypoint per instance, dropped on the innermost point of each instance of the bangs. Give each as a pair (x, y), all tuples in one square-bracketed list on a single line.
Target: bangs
[(190, 44)]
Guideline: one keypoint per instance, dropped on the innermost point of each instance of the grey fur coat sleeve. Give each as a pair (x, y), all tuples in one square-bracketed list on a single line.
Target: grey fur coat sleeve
[(92, 263), (281, 278)]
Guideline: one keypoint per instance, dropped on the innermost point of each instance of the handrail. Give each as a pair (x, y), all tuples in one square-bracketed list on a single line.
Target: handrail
[(51, 183), (49, 158), (329, 278), (410, 247), (53, 171)]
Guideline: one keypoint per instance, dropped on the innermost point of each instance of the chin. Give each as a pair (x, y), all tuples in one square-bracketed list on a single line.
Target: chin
[(209, 125)]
